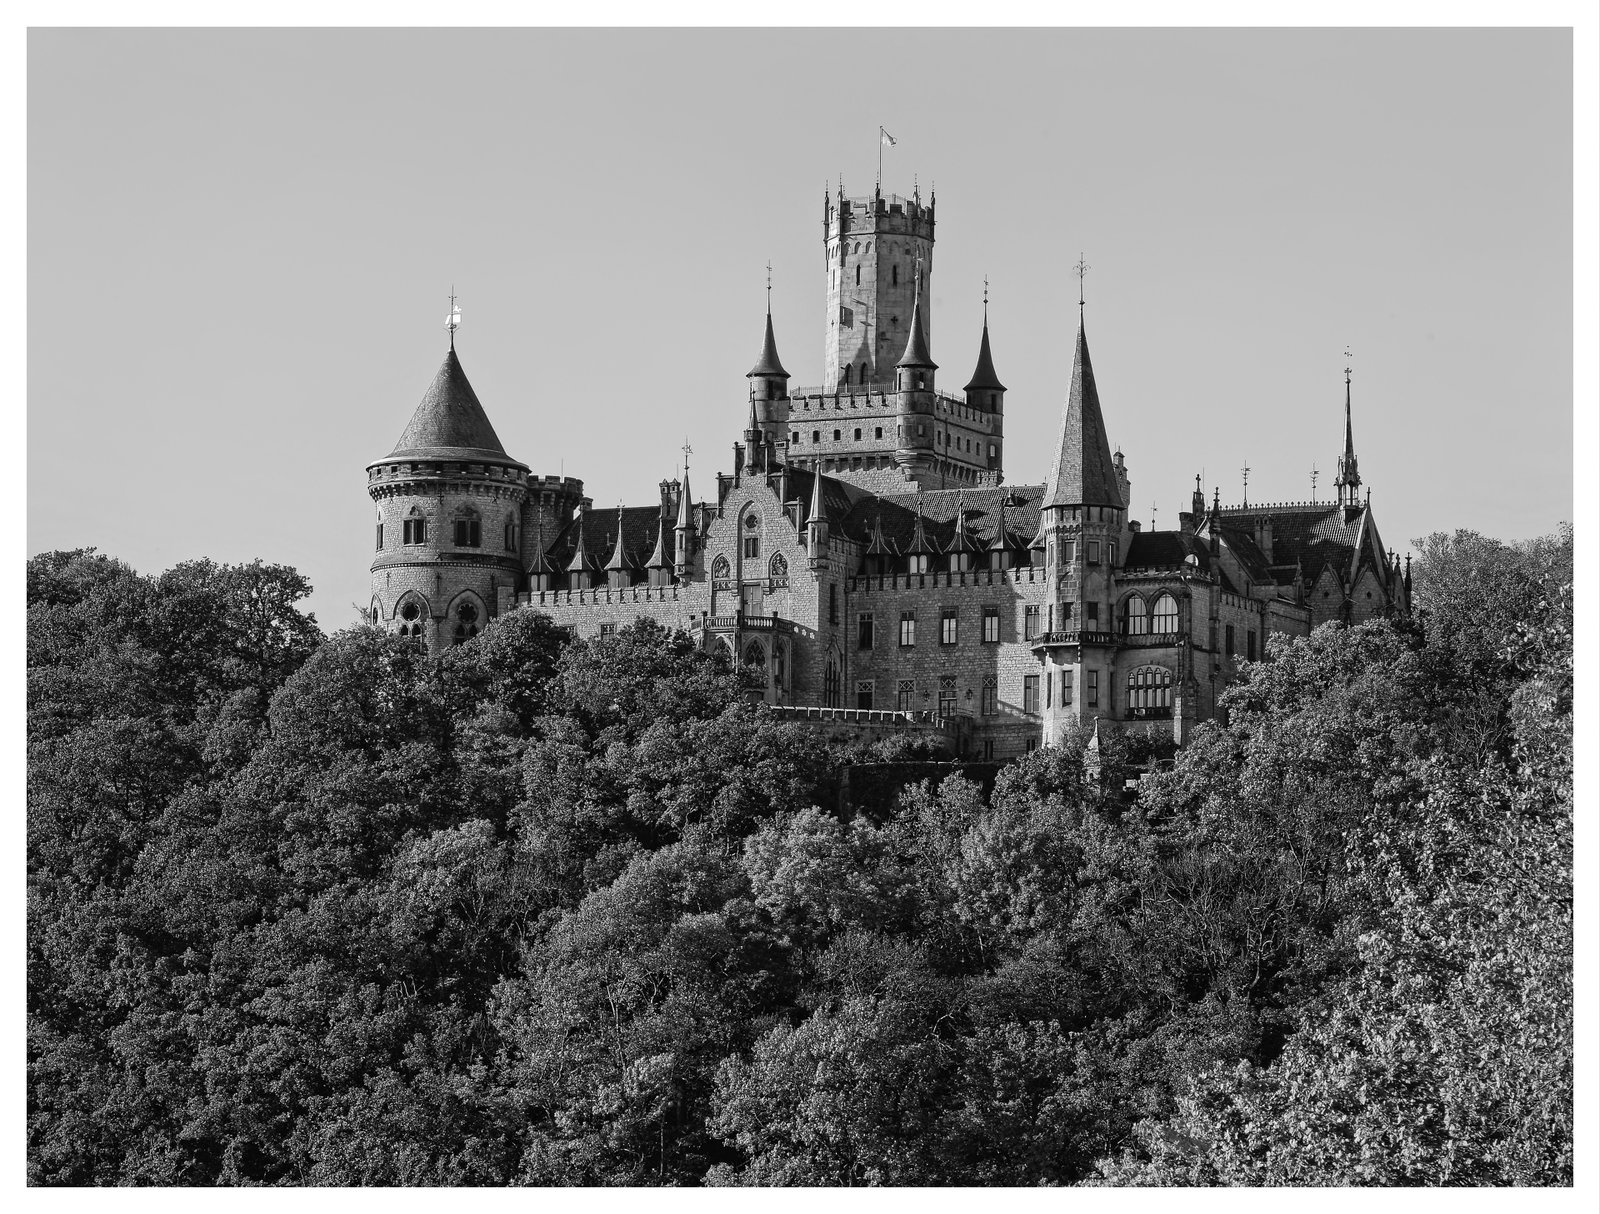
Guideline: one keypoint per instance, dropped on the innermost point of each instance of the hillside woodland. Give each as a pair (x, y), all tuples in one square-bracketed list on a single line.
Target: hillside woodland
[(323, 910)]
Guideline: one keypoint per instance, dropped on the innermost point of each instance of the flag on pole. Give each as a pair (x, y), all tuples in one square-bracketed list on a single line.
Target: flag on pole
[(885, 137)]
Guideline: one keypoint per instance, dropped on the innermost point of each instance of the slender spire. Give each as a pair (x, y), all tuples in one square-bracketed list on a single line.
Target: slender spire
[(919, 536), (818, 514), (1349, 478), (768, 365), (984, 378), (962, 540), (1002, 540), (619, 560), (685, 514), (876, 544), (580, 556), (658, 558), (1083, 472), (916, 354)]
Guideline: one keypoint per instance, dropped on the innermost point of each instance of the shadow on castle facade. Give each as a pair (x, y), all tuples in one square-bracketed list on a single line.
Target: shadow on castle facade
[(865, 553)]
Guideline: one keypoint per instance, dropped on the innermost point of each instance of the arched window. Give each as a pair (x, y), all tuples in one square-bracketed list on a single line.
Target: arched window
[(754, 655), (1164, 618), (1149, 690), (845, 378), (468, 533), (778, 567), (466, 623), (863, 370), (1134, 620), (719, 567)]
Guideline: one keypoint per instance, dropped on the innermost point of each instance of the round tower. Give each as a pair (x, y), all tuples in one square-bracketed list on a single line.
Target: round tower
[(450, 518), (879, 251)]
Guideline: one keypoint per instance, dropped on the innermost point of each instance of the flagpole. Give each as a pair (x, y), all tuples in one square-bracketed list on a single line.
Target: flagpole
[(879, 182)]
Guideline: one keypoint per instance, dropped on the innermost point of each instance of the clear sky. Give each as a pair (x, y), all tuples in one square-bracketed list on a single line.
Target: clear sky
[(240, 245)]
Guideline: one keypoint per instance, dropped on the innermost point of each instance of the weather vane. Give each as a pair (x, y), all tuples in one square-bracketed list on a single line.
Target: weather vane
[(1153, 512), (769, 285), (1080, 269), (985, 299), (1347, 364), (687, 451), (452, 322), (1313, 484), (1246, 472)]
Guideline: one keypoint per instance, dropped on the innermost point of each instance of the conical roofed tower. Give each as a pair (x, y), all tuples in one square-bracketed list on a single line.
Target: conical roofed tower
[(449, 422)]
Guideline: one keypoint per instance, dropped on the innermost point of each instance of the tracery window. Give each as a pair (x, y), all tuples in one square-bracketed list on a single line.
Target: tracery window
[(719, 567), (778, 567), (1149, 687), (466, 623), (754, 655), (410, 619), (1164, 618)]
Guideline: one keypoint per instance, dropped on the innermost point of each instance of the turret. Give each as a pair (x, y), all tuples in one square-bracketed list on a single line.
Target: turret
[(768, 379), (1081, 523), (817, 525), (963, 547), (684, 532), (450, 507)]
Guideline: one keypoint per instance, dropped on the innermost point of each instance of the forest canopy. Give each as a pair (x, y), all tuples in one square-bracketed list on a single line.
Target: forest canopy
[(309, 909)]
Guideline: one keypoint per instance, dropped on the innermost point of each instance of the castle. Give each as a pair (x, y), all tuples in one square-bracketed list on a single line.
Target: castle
[(865, 554)]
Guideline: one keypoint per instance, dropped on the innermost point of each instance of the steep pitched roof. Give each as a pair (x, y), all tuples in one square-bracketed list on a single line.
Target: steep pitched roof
[(1083, 473), (1165, 550), (983, 377), (895, 518), (768, 364), (640, 527), (450, 423)]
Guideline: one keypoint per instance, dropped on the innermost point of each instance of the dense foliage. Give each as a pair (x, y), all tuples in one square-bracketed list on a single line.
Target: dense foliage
[(326, 911)]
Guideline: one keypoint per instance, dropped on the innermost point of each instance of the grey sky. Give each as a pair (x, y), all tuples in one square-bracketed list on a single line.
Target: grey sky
[(240, 244)]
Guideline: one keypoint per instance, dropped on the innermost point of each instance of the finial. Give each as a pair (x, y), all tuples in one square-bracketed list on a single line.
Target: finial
[(1313, 484), (1246, 473), (769, 286), (452, 322), (1216, 499), (1153, 512), (687, 451), (1080, 269), (986, 300), (1347, 366)]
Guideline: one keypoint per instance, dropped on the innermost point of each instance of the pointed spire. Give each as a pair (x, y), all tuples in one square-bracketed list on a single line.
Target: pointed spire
[(983, 377), (818, 514), (876, 544), (1349, 478), (658, 558), (768, 365), (619, 561), (919, 536), (541, 559), (1002, 540), (580, 556), (961, 540), (685, 510), (916, 354), (1082, 473)]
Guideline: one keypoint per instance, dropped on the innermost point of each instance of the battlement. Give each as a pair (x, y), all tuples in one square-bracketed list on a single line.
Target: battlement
[(570, 486), (1258, 507), (884, 213)]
